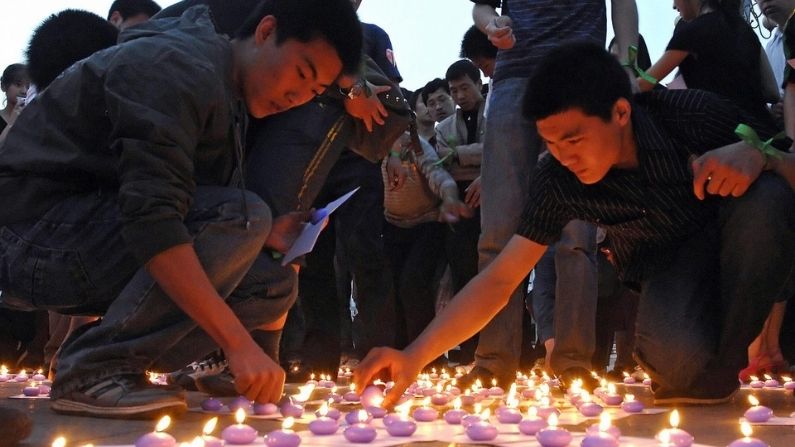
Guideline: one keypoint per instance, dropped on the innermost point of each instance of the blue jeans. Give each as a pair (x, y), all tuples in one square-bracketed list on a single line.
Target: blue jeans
[(697, 316), (73, 260)]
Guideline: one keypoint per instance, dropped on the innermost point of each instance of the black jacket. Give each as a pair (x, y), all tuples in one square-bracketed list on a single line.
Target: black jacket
[(148, 119)]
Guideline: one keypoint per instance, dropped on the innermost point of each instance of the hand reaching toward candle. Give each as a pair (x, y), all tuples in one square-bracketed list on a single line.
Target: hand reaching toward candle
[(257, 376), (727, 171), (398, 366), (285, 230), (367, 107)]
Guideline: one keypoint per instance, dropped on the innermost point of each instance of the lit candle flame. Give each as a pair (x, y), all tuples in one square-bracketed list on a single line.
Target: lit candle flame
[(457, 403), (163, 423), (312, 376), (754, 378), (454, 382), (485, 415), (290, 421), (626, 374), (585, 398), (493, 382), (512, 391), (403, 410), (209, 427), (334, 389), (674, 419), (767, 377), (753, 400), (361, 416), (611, 388), (197, 442), (323, 411), (603, 383), (377, 401), (532, 412), (59, 442), (746, 429), (512, 402), (426, 401), (594, 375), (306, 392), (448, 388), (477, 408), (604, 422), (552, 420), (665, 437), (787, 379), (438, 387), (544, 388), (433, 370), (646, 376), (478, 384), (240, 415), (629, 397), (353, 388), (545, 402)]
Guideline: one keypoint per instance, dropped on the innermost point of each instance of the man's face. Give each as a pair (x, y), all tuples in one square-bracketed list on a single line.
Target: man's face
[(485, 64), (122, 24), (440, 105), (466, 93), (275, 77), (777, 10), (423, 115), (586, 145)]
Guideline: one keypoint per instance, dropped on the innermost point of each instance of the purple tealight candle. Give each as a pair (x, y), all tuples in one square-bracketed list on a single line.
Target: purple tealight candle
[(599, 439), (207, 439), (747, 440), (240, 433), (285, 437), (266, 409), (532, 422), (401, 427), (291, 410), (509, 415), (376, 412), (611, 397), (158, 438), (336, 397), (469, 399), (425, 414), (629, 380), (756, 383), (359, 416), (769, 382), (312, 380), (439, 399), (44, 389), (31, 390), (552, 435), (359, 433), (372, 396), (495, 390), (630, 405), (212, 404), (788, 383), (481, 431), (646, 379), (240, 402), (604, 425), (589, 409), (323, 425), (757, 413), (675, 436), (39, 377), (332, 413), (545, 410), (351, 395), (529, 393), (21, 377)]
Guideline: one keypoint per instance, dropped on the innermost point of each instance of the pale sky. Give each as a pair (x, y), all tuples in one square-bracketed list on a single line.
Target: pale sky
[(425, 34)]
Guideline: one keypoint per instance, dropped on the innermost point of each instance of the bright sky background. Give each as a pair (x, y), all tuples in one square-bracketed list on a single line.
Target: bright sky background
[(426, 34)]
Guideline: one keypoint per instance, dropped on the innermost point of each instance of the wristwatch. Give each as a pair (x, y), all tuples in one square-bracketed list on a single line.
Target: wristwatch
[(357, 89)]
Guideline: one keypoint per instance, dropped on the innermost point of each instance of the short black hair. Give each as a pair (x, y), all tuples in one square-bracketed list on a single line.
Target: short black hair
[(131, 8), (576, 75), (417, 95), (303, 20), (432, 86), (63, 39), (461, 68), (12, 74), (476, 44)]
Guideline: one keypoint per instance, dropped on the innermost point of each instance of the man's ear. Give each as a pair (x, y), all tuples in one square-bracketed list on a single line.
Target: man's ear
[(266, 28), (622, 111), (116, 19)]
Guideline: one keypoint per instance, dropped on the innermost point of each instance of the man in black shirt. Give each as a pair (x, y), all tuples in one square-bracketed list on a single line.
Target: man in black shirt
[(691, 219)]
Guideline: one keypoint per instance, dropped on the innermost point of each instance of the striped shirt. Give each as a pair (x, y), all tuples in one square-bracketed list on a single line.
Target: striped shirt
[(540, 25), (647, 211)]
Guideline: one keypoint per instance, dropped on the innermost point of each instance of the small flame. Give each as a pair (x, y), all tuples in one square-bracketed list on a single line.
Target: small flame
[(426, 402), (361, 416), (552, 420), (767, 377), (163, 423), (754, 378), (746, 429), (433, 370), (377, 401), (457, 403), (290, 421), (665, 437), (512, 402), (604, 422), (485, 415), (603, 383), (626, 374), (209, 427), (674, 419), (467, 393), (323, 411), (753, 400), (585, 397), (3, 370), (611, 388), (197, 442), (646, 376), (512, 391), (59, 442), (595, 375), (403, 409), (787, 379), (448, 388), (312, 376), (477, 408), (353, 388), (454, 382), (493, 382), (240, 415), (478, 384), (629, 397), (544, 388), (334, 389), (532, 412), (438, 387), (545, 402)]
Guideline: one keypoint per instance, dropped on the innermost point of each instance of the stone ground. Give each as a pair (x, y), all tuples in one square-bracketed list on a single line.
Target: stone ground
[(716, 425)]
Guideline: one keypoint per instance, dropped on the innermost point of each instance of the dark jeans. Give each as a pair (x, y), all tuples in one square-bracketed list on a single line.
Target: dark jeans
[(414, 255), (354, 236), (73, 260), (697, 316)]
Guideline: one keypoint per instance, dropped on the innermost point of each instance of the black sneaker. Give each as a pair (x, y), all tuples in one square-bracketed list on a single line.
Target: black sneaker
[(126, 396), (485, 376), (218, 385), (212, 365), (16, 426), (693, 397), (568, 376)]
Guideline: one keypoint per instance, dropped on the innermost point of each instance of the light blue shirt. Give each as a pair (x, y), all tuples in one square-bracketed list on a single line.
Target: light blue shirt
[(775, 54)]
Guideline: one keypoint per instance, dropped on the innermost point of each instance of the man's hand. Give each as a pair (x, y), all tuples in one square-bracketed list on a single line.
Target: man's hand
[(500, 33), (387, 364), (396, 173), (285, 230), (472, 198), (727, 171), (368, 108), (257, 376), (452, 210)]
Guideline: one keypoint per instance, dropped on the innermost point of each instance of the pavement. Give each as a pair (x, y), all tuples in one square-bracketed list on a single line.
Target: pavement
[(711, 425)]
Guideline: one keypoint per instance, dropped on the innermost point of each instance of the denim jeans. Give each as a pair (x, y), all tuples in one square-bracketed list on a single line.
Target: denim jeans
[(697, 316), (510, 151), (73, 260)]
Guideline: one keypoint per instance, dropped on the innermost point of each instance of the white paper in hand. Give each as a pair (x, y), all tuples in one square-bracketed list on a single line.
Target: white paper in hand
[(308, 237)]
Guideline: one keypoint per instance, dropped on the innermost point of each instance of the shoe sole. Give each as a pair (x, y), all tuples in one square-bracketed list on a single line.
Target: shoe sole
[(148, 411), (694, 400)]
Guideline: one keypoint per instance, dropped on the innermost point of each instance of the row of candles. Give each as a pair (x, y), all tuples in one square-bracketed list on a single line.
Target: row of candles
[(6, 376)]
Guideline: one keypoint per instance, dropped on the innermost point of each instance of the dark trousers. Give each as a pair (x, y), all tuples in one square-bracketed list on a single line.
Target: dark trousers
[(73, 260), (697, 316), (414, 255)]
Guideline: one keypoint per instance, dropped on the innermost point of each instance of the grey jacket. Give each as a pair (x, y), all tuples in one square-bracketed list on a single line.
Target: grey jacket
[(451, 134), (148, 120)]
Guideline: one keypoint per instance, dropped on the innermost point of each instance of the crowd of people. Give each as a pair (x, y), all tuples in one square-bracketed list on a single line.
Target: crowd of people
[(157, 164)]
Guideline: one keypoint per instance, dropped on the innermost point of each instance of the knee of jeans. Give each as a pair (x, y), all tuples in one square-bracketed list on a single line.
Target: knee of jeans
[(769, 201), (578, 236)]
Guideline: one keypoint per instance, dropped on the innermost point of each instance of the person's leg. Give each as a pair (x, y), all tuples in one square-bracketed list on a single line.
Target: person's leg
[(417, 290), (543, 303), (510, 152), (575, 297)]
